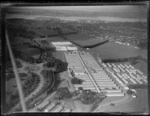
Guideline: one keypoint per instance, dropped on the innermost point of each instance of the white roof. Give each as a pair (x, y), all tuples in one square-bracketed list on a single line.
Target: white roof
[(62, 43), (119, 94), (72, 48), (61, 48)]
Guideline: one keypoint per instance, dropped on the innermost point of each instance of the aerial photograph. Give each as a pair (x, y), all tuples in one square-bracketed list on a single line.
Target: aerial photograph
[(90, 58)]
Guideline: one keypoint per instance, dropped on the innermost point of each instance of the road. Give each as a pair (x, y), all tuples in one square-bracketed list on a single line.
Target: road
[(48, 97), (18, 81)]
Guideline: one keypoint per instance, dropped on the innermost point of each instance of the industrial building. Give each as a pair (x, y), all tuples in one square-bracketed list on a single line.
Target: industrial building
[(126, 75), (85, 67), (103, 77), (64, 46)]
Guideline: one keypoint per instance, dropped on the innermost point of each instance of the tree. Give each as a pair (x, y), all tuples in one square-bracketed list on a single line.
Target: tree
[(130, 92), (63, 93), (76, 81), (18, 63), (90, 97), (59, 65)]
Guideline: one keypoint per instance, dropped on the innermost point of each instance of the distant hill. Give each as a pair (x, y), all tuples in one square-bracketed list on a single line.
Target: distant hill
[(84, 11)]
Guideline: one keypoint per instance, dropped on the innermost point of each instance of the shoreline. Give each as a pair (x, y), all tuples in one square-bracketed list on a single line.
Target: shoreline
[(105, 19)]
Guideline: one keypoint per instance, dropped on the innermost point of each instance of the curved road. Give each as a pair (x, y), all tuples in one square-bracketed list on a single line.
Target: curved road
[(34, 92), (48, 97)]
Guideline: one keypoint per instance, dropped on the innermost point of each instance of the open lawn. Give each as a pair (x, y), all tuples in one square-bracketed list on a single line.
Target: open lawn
[(11, 85), (135, 105), (110, 99), (142, 66), (113, 50)]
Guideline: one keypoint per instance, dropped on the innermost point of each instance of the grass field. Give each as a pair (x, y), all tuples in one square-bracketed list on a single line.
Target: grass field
[(136, 105), (113, 50), (142, 66), (111, 99)]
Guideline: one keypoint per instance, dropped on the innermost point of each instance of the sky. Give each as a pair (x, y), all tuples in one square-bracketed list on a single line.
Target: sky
[(137, 12), (107, 8)]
